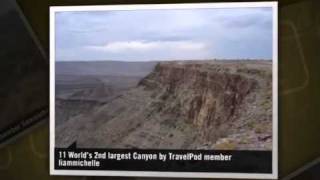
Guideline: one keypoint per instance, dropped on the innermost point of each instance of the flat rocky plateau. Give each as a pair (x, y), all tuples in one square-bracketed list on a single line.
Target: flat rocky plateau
[(217, 104)]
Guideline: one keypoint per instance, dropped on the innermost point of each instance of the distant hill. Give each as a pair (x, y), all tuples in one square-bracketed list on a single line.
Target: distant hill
[(105, 68)]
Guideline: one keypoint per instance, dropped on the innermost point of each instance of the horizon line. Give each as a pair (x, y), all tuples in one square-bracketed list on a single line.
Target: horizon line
[(214, 59)]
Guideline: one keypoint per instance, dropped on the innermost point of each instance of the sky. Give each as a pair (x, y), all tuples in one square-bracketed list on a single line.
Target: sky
[(146, 35)]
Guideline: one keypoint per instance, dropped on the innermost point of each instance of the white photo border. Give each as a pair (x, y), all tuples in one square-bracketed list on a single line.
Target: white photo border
[(273, 175)]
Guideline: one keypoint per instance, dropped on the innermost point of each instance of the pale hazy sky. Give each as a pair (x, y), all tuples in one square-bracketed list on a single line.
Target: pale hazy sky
[(230, 33)]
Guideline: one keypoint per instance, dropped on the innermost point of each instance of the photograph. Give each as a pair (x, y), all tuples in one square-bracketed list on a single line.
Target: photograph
[(23, 74), (199, 76)]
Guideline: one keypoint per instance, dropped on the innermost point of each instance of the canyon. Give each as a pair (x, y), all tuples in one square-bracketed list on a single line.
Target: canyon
[(209, 104)]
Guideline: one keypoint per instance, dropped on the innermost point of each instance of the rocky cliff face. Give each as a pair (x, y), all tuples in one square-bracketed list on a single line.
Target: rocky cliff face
[(190, 105), (207, 97)]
